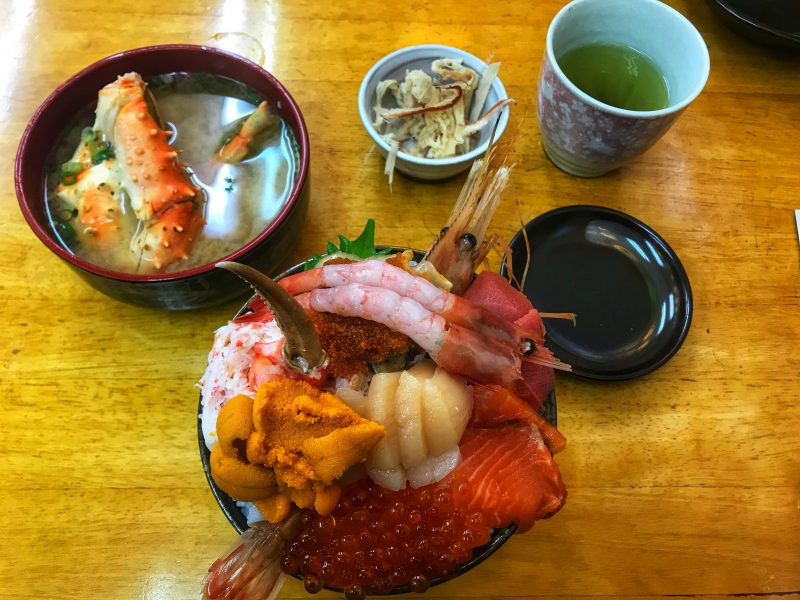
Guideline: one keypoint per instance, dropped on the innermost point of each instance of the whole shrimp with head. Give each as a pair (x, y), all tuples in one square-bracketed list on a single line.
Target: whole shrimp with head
[(459, 380)]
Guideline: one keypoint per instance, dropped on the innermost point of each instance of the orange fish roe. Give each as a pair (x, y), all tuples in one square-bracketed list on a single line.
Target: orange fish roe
[(352, 343), (377, 539)]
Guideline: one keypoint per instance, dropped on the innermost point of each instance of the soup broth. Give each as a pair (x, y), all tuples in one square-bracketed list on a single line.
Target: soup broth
[(240, 200)]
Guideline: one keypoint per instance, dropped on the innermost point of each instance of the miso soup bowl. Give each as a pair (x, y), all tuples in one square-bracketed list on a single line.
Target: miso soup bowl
[(181, 290)]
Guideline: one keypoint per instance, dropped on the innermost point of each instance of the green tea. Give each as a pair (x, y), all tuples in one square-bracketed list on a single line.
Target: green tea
[(617, 75)]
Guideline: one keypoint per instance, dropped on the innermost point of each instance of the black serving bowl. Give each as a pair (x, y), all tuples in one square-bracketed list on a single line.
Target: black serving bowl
[(192, 288), (237, 518)]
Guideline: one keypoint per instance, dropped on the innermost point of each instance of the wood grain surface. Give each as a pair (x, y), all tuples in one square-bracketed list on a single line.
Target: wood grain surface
[(682, 483)]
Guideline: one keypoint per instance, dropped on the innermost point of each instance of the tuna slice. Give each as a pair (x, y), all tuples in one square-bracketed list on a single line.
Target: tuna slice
[(494, 405), (512, 475), (494, 293), (536, 383)]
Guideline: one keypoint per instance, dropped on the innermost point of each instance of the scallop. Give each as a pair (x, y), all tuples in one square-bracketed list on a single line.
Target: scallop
[(391, 479), (408, 416), (457, 396), (424, 411), (386, 453), (354, 399), (434, 468), (441, 433)]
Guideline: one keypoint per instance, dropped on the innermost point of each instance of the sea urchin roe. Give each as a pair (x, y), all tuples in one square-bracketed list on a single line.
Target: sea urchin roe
[(307, 437), (353, 343), (288, 446), (229, 466), (376, 539)]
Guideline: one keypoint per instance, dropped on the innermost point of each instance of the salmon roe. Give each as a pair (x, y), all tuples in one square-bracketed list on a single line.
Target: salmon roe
[(377, 539)]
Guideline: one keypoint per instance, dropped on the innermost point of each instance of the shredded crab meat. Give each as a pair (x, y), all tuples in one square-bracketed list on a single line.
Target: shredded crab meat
[(436, 116), (235, 347)]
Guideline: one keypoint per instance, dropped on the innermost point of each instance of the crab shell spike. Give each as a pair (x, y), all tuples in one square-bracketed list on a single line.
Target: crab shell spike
[(302, 349)]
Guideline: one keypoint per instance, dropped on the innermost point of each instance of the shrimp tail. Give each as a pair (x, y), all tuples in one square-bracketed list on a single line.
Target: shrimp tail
[(251, 570)]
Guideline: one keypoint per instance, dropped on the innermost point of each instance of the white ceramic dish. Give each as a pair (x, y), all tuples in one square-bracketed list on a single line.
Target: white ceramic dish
[(394, 66)]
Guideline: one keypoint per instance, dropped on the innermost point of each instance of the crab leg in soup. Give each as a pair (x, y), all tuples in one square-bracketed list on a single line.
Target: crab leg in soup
[(127, 153), (257, 125)]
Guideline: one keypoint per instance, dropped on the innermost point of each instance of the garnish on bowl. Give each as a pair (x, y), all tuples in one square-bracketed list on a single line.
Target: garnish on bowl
[(458, 446)]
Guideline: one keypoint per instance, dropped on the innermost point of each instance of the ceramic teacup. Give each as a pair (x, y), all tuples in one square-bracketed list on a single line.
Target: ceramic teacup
[(586, 137)]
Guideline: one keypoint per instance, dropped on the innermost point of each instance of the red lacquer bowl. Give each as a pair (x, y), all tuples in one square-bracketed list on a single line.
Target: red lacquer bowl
[(193, 288)]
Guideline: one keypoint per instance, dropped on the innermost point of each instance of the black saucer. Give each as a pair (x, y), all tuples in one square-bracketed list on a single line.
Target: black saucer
[(770, 22), (629, 290)]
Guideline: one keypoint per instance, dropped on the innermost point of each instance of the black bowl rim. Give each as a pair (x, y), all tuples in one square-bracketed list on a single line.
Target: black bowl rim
[(52, 101), (236, 517), (673, 261), (754, 29)]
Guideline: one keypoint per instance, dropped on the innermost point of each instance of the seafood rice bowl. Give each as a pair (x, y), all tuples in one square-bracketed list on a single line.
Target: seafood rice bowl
[(378, 414)]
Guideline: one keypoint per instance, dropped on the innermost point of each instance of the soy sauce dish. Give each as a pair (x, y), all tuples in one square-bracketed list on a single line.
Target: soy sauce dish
[(81, 193), (628, 288), (774, 23)]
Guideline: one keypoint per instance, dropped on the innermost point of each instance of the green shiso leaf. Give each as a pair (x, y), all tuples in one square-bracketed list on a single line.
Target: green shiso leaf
[(362, 247)]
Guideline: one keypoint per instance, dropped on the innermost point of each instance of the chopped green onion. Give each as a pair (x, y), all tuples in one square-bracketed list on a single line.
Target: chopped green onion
[(70, 171), (71, 168), (101, 155), (99, 151), (65, 230), (65, 214), (88, 135)]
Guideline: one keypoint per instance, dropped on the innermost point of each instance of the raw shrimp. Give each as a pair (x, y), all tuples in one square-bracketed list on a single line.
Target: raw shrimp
[(455, 348), (462, 244), (251, 570), (455, 309)]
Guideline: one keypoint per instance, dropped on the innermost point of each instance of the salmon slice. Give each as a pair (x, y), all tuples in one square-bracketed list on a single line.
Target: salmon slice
[(511, 474), (494, 405)]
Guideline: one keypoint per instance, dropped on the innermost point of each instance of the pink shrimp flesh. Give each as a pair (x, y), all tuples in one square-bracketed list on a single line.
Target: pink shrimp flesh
[(455, 348), (455, 309)]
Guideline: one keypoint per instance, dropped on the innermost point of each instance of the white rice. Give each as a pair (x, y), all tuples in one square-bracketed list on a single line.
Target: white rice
[(250, 512)]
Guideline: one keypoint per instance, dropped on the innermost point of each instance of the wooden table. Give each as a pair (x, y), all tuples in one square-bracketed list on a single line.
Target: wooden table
[(685, 482)]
